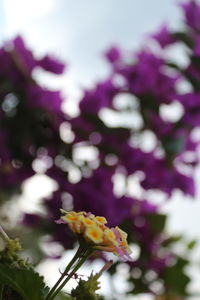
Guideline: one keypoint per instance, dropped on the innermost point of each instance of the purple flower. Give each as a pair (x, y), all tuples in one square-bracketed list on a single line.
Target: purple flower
[(133, 159), (101, 96), (97, 192), (41, 97), (191, 104), (192, 72), (166, 179), (196, 50), (51, 64), (164, 37), (159, 126), (192, 14), (24, 58), (25, 61), (148, 78), (113, 55)]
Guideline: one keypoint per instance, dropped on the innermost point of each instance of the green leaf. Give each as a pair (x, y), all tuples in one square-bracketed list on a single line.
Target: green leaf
[(185, 38), (175, 279), (196, 61), (26, 282), (157, 221), (173, 146), (191, 244), (173, 66), (172, 240)]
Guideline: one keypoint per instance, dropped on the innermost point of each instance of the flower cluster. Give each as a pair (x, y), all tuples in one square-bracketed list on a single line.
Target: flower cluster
[(96, 234), (27, 109)]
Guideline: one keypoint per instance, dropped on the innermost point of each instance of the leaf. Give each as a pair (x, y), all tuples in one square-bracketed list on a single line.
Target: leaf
[(26, 282), (157, 221), (175, 279), (184, 37), (191, 244), (173, 65), (173, 146), (172, 240), (196, 61)]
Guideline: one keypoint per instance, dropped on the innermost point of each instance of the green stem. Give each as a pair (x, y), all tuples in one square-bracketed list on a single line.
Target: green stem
[(76, 267), (67, 269), (4, 235)]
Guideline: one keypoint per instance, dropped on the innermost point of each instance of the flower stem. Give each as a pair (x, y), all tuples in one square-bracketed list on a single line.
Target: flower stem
[(65, 273), (4, 235), (76, 267)]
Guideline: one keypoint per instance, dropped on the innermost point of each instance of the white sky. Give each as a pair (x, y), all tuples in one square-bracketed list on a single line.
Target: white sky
[(79, 32)]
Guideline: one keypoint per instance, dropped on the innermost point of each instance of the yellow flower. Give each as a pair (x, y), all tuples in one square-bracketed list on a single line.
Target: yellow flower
[(123, 236), (70, 217), (98, 236), (73, 219), (123, 239), (101, 220), (109, 237), (94, 234), (87, 221)]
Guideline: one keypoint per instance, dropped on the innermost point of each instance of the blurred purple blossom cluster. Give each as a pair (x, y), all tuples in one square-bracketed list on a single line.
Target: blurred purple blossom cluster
[(30, 114), (137, 97)]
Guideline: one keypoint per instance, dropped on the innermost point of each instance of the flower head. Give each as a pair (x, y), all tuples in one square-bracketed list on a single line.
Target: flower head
[(92, 230), (164, 36), (191, 11)]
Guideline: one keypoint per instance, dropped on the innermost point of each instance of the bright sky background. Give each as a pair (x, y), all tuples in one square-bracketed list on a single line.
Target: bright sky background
[(79, 32)]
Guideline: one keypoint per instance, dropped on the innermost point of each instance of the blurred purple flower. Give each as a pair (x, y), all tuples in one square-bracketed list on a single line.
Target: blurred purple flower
[(191, 104), (159, 126), (100, 97), (41, 97), (192, 72), (191, 10), (113, 55), (164, 37), (166, 179), (24, 57), (51, 64), (196, 50), (148, 78), (95, 194)]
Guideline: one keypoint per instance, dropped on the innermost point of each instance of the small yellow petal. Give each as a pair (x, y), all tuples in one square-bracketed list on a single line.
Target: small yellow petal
[(87, 221), (70, 218), (109, 236), (101, 220), (95, 234)]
